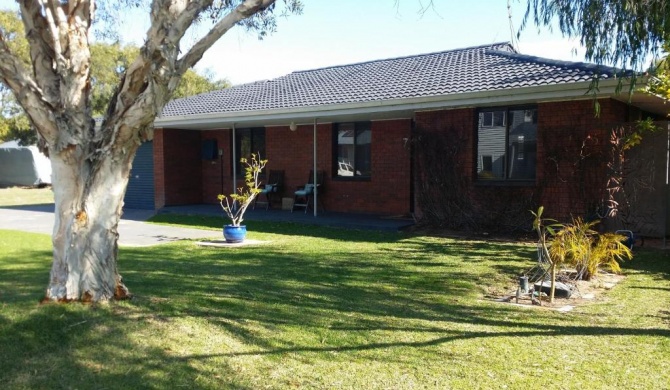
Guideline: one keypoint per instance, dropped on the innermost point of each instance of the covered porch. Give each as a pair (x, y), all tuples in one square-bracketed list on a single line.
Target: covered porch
[(194, 162)]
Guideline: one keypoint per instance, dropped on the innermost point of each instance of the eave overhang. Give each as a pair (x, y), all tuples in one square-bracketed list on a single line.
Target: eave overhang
[(407, 107)]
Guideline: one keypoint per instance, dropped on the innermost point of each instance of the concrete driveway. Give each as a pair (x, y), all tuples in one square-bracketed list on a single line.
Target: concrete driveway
[(133, 230)]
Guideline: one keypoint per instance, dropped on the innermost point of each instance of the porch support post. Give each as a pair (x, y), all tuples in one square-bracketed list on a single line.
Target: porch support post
[(315, 173), (234, 156)]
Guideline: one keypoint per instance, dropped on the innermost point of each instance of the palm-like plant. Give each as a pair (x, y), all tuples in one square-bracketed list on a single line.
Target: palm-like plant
[(587, 251), (573, 243), (608, 250), (579, 245)]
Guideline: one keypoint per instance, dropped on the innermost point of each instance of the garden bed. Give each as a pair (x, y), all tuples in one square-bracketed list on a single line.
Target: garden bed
[(585, 292)]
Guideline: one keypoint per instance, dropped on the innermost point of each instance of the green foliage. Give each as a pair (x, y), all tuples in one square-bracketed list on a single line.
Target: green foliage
[(13, 124), (614, 32), (659, 84), (17, 127), (12, 30), (236, 204), (109, 62), (608, 251), (193, 83), (580, 246), (634, 134)]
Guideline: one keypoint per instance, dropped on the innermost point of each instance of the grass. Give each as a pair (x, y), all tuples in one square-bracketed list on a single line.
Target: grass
[(16, 196), (321, 308)]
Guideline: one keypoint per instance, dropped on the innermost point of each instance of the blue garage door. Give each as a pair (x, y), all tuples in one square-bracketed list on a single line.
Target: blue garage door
[(140, 192)]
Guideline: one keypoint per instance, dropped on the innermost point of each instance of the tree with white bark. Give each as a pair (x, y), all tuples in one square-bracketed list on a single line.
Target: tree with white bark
[(91, 163)]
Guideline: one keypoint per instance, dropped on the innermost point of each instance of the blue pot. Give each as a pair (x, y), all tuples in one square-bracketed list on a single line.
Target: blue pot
[(234, 234)]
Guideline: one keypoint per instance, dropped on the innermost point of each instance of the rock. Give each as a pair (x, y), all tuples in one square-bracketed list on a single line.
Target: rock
[(562, 290)]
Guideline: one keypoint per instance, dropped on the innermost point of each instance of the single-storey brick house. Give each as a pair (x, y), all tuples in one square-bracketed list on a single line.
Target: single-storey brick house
[(502, 116)]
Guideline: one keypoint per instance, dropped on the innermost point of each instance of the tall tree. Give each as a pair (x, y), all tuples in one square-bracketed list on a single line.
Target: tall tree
[(108, 62), (91, 164), (619, 33)]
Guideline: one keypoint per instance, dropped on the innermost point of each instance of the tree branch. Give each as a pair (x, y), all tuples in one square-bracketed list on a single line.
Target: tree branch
[(42, 52), (140, 95), (243, 11), (15, 76)]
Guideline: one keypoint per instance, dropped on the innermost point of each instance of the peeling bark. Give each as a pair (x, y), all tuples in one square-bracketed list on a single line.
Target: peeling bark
[(89, 201)]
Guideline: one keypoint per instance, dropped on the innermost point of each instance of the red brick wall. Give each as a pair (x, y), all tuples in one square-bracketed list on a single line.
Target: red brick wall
[(177, 167), (459, 126), (292, 152), (386, 193), (159, 169), (182, 177), (572, 145), (563, 128), (217, 174), (388, 190)]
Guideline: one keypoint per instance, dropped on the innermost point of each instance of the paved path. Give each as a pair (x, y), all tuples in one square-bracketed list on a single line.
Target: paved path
[(133, 231)]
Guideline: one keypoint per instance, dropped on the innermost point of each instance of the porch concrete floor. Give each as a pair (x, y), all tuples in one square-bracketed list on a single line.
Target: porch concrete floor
[(324, 218)]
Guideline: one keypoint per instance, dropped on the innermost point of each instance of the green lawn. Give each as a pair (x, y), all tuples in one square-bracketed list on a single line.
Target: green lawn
[(320, 308), (14, 196)]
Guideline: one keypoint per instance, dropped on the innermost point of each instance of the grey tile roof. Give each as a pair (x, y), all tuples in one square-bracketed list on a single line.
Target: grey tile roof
[(474, 69)]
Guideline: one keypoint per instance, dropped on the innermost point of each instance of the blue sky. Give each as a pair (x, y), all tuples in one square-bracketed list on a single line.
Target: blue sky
[(347, 31), (338, 32)]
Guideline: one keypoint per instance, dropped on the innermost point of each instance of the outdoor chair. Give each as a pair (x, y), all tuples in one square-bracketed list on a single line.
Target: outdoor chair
[(304, 195), (271, 189)]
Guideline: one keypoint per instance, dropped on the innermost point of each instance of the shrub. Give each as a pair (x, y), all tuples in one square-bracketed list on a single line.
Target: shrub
[(578, 245)]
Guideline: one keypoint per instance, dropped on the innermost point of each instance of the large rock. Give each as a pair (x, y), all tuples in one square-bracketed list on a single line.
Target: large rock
[(562, 290)]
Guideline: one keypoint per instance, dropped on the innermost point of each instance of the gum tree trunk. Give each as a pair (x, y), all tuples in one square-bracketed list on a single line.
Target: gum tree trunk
[(88, 204)]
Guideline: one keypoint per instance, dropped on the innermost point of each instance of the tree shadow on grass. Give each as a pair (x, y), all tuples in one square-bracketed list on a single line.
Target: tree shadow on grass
[(255, 294), (654, 262), (455, 336), (77, 346), (242, 289), (56, 346)]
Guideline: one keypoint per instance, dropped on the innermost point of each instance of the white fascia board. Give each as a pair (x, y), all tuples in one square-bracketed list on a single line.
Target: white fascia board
[(394, 107)]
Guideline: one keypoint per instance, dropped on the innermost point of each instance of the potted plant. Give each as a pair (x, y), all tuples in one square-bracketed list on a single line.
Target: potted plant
[(236, 204)]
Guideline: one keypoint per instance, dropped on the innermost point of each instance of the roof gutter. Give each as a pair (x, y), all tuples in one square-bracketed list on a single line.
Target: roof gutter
[(396, 108)]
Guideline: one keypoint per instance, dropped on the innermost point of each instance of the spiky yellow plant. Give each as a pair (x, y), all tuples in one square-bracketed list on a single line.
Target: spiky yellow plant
[(580, 246)]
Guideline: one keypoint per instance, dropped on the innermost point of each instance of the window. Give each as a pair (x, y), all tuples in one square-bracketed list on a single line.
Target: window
[(507, 144), (352, 154), (248, 141)]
